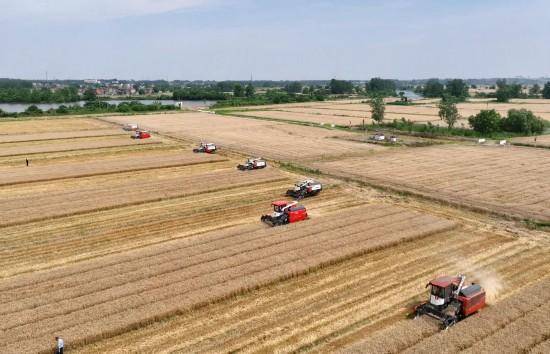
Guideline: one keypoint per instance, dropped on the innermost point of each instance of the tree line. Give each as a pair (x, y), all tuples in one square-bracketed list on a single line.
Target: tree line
[(92, 107)]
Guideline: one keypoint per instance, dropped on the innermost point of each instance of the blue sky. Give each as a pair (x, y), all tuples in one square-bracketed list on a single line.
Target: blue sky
[(301, 39)]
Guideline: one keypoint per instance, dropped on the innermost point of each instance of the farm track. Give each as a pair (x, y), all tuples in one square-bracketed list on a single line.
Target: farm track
[(95, 167), (205, 268), (25, 203)]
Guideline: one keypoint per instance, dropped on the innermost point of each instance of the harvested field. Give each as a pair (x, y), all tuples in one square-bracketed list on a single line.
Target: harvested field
[(25, 203), (40, 147), (328, 309), (30, 247), (342, 113), (343, 116), (541, 140), (60, 135), (329, 117), (151, 248), (86, 167), (92, 299), (517, 324), (52, 125), (482, 177), (272, 140)]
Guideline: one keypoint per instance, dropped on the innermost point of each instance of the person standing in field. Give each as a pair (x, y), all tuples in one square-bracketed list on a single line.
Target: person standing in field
[(27, 161), (59, 345)]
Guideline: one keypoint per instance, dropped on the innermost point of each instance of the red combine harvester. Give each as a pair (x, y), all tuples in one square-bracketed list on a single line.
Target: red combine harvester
[(141, 134), (450, 301), (285, 213)]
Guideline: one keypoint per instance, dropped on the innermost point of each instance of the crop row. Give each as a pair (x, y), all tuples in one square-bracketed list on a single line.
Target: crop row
[(329, 308), (93, 167), (516, 323), (483, 177), (274, 140), (161, 280), (24, 204), (21, 149), (53, 125), (60, 135), (46, 243)]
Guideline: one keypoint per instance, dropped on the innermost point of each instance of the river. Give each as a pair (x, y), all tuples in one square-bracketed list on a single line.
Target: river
[(21, 107)]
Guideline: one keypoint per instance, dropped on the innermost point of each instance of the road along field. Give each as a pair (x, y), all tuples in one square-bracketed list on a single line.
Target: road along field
[(517, 324), (86, 166), (330, 308), (103, 297), (40, 147), (53, 125), (510, 180), (271, 140), (31, 202)]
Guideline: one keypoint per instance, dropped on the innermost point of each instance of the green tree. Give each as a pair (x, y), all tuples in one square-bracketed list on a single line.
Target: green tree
[(249, 90), (448, 112), (485, 122), (33, 110), (238, 90), (293, 87), (89, 95), (381, 87), (339, 87), (62, 109), (503, 91), (457, 88), (433, 88), (535, 90), (546, 90), (378, 107), (522, 121)]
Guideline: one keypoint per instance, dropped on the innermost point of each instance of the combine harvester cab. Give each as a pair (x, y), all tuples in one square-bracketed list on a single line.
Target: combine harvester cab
[(378, 137), (285, 213), (207, 148), (141, 134), (130, 127), (253, 164), (451, 302), (303, 189)]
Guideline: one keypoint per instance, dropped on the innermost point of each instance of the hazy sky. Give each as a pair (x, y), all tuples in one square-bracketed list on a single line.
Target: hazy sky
[(274, 39)]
